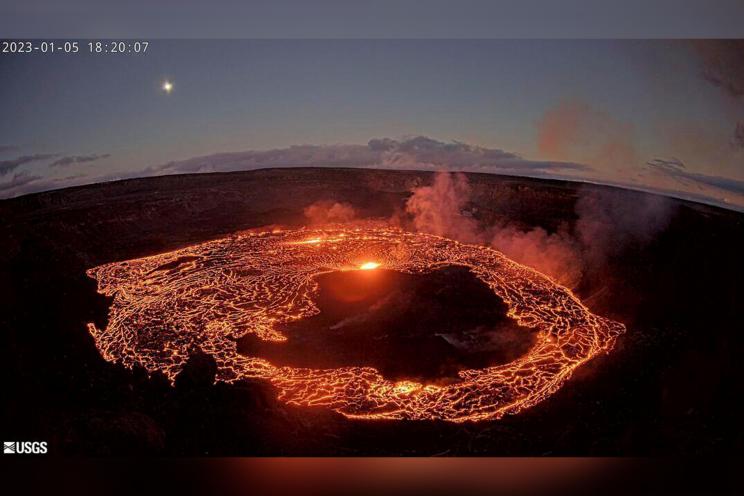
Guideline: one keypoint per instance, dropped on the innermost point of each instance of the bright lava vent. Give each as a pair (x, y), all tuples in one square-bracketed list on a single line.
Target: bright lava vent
[(208, 295)]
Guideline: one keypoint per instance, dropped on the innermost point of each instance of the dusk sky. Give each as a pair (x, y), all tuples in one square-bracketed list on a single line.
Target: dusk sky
[(662, 115)]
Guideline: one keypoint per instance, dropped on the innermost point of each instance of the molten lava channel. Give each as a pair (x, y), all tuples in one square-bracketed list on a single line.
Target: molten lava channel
[(209, 295)]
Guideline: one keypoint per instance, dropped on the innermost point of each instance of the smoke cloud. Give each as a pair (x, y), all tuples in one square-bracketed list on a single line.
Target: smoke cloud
[(326, 212), (442, 209), (555, 254), (439, 208), (574, 130), (723, 64), (608, 222)]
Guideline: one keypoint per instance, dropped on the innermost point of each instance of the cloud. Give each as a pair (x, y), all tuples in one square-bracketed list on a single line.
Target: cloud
[(8, 148), (723, 64), (294, 156), (676, 170), (420, 153), (574, 130), (78, 159), (610, 221), (416, 153), (41, 184), (12, 164), (666, 165), (737, 140), (18, 181)]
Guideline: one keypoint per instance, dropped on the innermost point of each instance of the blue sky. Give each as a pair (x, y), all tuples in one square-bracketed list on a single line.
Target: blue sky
[(611, 106)]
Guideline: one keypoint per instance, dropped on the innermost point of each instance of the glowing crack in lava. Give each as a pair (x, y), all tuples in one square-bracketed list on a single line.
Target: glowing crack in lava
[(208, 295)]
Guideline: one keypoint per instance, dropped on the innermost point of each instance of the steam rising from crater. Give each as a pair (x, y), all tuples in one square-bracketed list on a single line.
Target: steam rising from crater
[(606, 224)]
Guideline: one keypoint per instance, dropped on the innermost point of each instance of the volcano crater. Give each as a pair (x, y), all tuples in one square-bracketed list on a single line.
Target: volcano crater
[(424, 326)]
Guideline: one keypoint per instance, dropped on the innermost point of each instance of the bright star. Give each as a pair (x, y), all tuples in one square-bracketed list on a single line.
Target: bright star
[(167, 86)]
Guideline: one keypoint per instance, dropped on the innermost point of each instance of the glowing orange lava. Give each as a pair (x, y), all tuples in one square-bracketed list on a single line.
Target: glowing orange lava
[(369, 266), (208, 295)]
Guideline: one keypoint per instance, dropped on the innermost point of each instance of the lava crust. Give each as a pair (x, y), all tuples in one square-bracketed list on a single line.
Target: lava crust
[(209, 295)]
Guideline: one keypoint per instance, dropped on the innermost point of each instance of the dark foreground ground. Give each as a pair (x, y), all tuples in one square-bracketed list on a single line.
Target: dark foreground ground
[(671, 386)]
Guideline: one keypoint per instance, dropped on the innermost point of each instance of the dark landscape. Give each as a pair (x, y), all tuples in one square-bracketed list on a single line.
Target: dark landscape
[(672, 384)]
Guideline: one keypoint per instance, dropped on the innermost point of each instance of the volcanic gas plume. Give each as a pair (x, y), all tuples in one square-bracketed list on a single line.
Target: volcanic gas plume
[(208, 295)]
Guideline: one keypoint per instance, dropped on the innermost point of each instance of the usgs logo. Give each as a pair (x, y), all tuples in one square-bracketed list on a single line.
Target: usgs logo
[(24, 447)]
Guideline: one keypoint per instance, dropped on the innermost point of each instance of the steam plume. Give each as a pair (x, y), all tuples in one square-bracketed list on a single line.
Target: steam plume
[(438, 209), (325, 212), (555, 254), (607, 223)]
